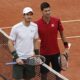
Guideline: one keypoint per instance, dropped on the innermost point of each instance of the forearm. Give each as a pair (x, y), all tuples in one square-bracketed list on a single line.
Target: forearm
[(37, 46), (12, 49), (65, 42), (11, 46)]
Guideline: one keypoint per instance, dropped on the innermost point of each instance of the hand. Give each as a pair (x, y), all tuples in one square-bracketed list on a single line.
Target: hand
[(66, 52), (19, 61)]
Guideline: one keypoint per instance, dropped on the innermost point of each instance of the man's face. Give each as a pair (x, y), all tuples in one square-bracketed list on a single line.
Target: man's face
[(28, 16), (46, 12)]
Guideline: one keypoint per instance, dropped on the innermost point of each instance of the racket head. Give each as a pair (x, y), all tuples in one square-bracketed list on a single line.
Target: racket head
[(63, 62), (63, 59), (35, 60)]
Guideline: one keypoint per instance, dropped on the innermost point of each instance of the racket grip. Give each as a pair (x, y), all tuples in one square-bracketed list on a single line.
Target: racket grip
[(69, 44), (10, 63)]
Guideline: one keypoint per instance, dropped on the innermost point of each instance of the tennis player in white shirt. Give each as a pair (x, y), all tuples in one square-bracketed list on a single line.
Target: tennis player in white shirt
[(24, 39)]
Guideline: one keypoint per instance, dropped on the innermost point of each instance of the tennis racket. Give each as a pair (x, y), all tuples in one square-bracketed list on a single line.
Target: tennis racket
[(34, 60), (2, 77), (39, 60), (63, 59)]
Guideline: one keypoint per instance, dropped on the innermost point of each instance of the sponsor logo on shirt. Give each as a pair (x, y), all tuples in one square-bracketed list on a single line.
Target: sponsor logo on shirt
[(52, 25), (32, 31)]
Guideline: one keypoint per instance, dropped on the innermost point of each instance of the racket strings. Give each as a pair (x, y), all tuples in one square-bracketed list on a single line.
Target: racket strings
[(34, 61)]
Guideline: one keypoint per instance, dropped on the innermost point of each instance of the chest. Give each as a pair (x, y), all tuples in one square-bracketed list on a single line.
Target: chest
[(26, 33), (48, 29)]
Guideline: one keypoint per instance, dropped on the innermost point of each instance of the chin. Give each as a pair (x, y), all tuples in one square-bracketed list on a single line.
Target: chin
[(48, 16), (28, 20)]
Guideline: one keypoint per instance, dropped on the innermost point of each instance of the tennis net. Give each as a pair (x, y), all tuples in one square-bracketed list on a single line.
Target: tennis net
[(6, 57)]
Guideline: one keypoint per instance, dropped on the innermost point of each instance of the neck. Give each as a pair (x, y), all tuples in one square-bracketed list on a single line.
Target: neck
[(46, 19), (26, 23)]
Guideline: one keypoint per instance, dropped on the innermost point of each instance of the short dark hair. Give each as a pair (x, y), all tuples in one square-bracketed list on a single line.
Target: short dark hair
[(44, 5)]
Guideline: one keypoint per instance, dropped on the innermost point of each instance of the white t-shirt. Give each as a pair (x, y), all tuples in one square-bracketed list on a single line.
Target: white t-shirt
[(23, 37)]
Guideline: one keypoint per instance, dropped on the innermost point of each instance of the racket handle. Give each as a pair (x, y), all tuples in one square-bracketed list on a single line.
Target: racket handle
[(69, 44), (11, 63)]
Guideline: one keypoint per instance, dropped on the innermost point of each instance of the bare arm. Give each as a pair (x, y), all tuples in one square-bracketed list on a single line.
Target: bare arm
[(14, 53), (37, 45), (65, 43), (63, 36), (60, 28), (12, 49), (11, 45)]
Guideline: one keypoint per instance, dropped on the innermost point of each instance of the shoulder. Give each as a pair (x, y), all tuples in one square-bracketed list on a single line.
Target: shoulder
[(34, 25), (55, 19), (39, 20), (17, 26)]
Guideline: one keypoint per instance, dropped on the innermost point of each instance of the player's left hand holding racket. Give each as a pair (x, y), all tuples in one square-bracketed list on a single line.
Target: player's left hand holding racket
[(63, 59), (34, 60)]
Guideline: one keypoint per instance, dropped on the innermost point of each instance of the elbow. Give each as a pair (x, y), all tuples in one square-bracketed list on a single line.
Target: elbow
[(10, 42)]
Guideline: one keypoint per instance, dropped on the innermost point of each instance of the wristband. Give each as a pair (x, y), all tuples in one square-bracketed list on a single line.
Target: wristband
[(15, 56), (36, 51), (66, 44)]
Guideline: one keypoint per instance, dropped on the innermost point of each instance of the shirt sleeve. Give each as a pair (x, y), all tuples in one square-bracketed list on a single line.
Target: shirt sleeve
[(60, 26), (13, 34), (36, 33)]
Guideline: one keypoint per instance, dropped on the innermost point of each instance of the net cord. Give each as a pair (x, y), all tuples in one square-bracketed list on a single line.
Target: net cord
[(5, 34)]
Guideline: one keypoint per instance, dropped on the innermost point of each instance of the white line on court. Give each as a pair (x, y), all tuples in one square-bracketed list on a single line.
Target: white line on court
[(69, 21), (71, 37), (65, 21)]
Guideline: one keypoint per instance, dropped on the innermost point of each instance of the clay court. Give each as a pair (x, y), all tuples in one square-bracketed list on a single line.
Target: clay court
[(69, 13)]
